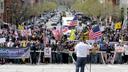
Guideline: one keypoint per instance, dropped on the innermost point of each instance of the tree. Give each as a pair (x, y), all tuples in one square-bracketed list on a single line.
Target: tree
[(67, 3), (39, 8), (89, 7), (21, 12), (18, 11), (95, 8)]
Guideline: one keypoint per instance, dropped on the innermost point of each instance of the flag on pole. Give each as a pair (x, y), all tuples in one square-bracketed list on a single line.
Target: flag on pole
[(95, 33), (74, 21), (57, 33), (20, 27), (118, 25), (72, 35), (65, 29)]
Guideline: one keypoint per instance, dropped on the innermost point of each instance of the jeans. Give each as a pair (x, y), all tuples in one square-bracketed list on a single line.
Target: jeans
[(80, 63), (119, 58), (59, 57), (94, 58), (99, 58), (53, 57), (42, 46)]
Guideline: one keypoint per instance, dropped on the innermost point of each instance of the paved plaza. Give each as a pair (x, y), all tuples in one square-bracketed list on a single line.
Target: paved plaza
[(61, 68)]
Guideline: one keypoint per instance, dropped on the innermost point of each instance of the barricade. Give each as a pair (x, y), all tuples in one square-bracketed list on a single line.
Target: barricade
[(19, 53)]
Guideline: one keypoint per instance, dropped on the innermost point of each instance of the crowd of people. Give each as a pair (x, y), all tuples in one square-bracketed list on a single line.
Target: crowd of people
[(39, 37)]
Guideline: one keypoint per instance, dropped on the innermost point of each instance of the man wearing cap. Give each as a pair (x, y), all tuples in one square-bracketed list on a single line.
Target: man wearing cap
[(82, 50)]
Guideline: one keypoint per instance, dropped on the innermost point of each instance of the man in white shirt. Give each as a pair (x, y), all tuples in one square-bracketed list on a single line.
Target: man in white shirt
[(82, 50)]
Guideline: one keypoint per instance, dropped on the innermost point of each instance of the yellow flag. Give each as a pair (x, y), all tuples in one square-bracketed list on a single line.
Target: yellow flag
[(20, 27), (118, 25), (86, 35), (72, 35)]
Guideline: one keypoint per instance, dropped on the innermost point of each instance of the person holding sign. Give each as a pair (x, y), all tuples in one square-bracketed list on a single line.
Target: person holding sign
[(119, 51), (47, 54), (94, 53)]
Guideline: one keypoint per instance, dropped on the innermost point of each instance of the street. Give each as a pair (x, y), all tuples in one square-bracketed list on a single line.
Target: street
[(61, 68), (54, 35)]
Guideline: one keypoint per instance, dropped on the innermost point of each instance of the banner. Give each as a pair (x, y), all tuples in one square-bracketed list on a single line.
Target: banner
[(14, 53), (119, 49)]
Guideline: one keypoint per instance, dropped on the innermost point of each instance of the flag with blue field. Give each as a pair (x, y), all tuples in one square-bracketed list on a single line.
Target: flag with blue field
[(95, 33), (74, 21)]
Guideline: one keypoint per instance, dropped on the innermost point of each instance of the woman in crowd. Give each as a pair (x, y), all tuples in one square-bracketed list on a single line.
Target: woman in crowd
[(47, 54), (94, 53)]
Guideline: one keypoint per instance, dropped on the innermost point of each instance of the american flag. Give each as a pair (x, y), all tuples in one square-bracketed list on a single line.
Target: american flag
[(57, 33), (74, 21), (95, 33), (65, 29)]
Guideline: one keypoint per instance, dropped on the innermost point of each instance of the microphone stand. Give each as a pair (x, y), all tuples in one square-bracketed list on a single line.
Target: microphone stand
[(90, 62)]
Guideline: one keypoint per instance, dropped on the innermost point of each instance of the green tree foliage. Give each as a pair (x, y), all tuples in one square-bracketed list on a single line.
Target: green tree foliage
[(39, 8), (95, 8), (18, 11), (21, 12)]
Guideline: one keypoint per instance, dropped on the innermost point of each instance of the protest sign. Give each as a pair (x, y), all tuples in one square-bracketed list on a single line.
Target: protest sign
[(14, 53)]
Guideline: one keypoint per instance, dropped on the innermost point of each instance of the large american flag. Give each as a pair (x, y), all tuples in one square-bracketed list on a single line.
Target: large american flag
[(95, 33)]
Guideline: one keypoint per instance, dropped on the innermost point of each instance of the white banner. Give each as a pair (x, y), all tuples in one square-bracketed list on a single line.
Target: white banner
[(1, 6), (119, 49)]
